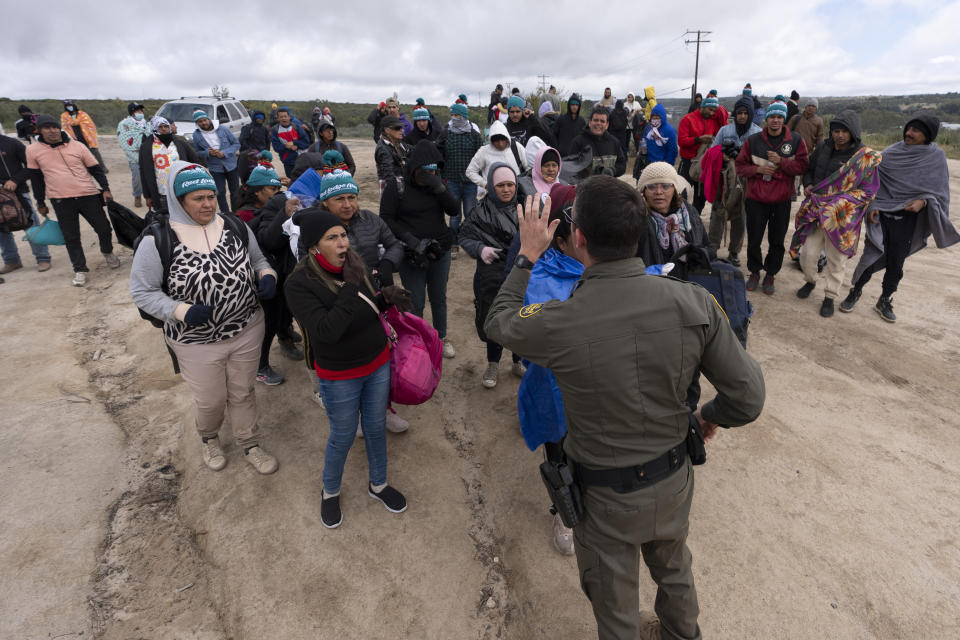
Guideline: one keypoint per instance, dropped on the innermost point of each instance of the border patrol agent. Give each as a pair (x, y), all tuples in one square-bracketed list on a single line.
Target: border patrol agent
[(624, 348)]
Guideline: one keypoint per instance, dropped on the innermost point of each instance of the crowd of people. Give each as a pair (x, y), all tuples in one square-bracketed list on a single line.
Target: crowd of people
[(537, 204)]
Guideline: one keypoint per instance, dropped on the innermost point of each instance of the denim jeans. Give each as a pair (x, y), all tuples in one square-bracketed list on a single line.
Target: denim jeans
[(8, 244), (346, 401), (135, 177), (466, 195), (432, 281), (222, 180)]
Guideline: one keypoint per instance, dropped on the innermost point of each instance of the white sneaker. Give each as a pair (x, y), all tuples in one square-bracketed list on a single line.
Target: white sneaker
[(79, 278), (518, 369), (448, 350), (212, 454), (318, 398), (112, 260), (262, 461), (562, 537), (490, 375), (359, 429), (396, 424)]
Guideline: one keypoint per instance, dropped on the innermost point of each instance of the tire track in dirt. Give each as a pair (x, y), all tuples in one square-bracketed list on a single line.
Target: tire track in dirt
[(150, 578)]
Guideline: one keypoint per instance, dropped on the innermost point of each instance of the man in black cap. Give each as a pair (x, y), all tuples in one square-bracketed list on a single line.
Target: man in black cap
[(130, 134), (27, 124), (495, 96), (391, 152), (912, 203)]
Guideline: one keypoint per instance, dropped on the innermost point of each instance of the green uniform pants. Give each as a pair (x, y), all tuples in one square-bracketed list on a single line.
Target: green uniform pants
[(617, 529)]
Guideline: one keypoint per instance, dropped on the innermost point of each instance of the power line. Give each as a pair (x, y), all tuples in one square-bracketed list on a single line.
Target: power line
[(644, 56), (543, 82), (696, 68)]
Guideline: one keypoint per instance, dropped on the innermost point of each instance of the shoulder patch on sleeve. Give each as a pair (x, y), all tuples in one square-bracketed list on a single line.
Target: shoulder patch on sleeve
[(530, 309)]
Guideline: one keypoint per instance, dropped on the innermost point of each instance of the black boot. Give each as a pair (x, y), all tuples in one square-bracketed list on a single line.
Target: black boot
[(804, 291), (884, 307), (851, 300), (826, 309)]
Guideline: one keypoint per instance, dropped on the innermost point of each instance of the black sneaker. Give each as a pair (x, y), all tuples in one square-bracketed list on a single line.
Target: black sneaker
[(884, 307), (753, 281), (826, 309), (392, 499), (733, 259), (804, 291), (851, 300), (330, 513), (290, 350)]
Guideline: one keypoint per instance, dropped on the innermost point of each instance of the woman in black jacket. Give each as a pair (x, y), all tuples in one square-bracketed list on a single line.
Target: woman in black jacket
[(415, 208), (486, 236), (338, 309), (158, 152)]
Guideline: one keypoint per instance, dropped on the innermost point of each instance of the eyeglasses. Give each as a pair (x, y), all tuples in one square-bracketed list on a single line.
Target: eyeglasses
[(660, 186), (567, 212)]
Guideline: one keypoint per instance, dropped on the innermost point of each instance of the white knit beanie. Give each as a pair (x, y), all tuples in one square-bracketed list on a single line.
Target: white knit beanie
[(664, 173)]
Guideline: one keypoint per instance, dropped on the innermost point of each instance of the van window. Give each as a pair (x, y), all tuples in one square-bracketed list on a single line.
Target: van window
[(222, 114), (233, 111)]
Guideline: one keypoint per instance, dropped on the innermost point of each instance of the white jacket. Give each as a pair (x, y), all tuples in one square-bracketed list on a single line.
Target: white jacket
[(487, 156)]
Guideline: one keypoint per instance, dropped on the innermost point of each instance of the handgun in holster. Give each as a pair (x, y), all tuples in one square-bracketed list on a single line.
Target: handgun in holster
[(696, 447), (565, 493)]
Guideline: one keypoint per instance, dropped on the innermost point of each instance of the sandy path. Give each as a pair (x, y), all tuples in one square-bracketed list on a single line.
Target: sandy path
[(834, 515)]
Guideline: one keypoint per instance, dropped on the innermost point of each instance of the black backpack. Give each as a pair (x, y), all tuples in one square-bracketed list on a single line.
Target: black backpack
[(157, 225)]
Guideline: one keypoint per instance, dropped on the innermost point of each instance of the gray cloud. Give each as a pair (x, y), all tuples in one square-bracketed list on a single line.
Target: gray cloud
[(364, 51)]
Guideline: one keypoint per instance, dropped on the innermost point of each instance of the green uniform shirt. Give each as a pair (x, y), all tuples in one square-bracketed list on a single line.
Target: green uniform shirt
[(624, 348)]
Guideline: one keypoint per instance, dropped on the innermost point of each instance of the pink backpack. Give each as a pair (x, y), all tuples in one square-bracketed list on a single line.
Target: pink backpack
[(416, 357)]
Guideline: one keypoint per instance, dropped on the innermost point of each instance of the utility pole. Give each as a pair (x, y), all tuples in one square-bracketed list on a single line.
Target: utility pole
[(543, 82), (696, 68)]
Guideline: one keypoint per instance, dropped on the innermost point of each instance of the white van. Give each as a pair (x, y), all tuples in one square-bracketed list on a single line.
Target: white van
[(223, 112)]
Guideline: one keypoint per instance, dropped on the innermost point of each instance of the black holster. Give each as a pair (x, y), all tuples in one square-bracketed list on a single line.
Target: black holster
[(564, 491), (696, 447)]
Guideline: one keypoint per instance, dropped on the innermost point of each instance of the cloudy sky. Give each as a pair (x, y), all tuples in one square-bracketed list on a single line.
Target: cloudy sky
[(363, 51)]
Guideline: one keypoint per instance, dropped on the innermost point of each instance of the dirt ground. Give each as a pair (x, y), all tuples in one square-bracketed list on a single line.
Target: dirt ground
[(834, 515)]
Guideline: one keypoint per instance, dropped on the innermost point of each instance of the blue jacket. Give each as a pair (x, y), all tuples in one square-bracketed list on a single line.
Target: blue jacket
[(228, 146), (539, 401), (668, 151), (302, 141)]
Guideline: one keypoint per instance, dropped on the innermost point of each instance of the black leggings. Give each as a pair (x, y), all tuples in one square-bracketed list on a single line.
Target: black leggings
[(277, 319), (897, 238)]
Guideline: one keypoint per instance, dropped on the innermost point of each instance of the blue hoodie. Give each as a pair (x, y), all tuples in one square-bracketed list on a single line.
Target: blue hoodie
[(539, 401), (667, 152)]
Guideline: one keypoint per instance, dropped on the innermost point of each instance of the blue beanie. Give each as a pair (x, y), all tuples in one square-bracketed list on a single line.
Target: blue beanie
[(263, 177), (515, 101), (459, 110), (199, 113), (259, 114), (710, 102), (192, 178), (420, 114), (776, 109), (335, 184), (265, 155), (287, 109), (420, 101), (463, 98)]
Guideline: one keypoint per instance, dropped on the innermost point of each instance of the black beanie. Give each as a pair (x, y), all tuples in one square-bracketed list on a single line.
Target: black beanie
[(22, 109), (43, 120), (313, 223), (929, 125), (794, 95)]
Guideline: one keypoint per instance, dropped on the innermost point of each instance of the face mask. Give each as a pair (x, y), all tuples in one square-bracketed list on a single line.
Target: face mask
[(655, 123), (70, 109), (138, 116)]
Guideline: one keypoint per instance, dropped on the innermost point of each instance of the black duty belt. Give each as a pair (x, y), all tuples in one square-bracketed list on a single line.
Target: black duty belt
[(627, 479)]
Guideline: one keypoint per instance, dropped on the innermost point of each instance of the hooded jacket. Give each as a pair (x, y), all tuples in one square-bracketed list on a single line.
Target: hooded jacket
[(253, 136), (728, 136), (514, 156), (826, 159), (146, 273), (492, 223), (567, 127), (666, 152), (529, 184), (618, 119), (313, 159), (417, 212), (810, 129), (648, 93)]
